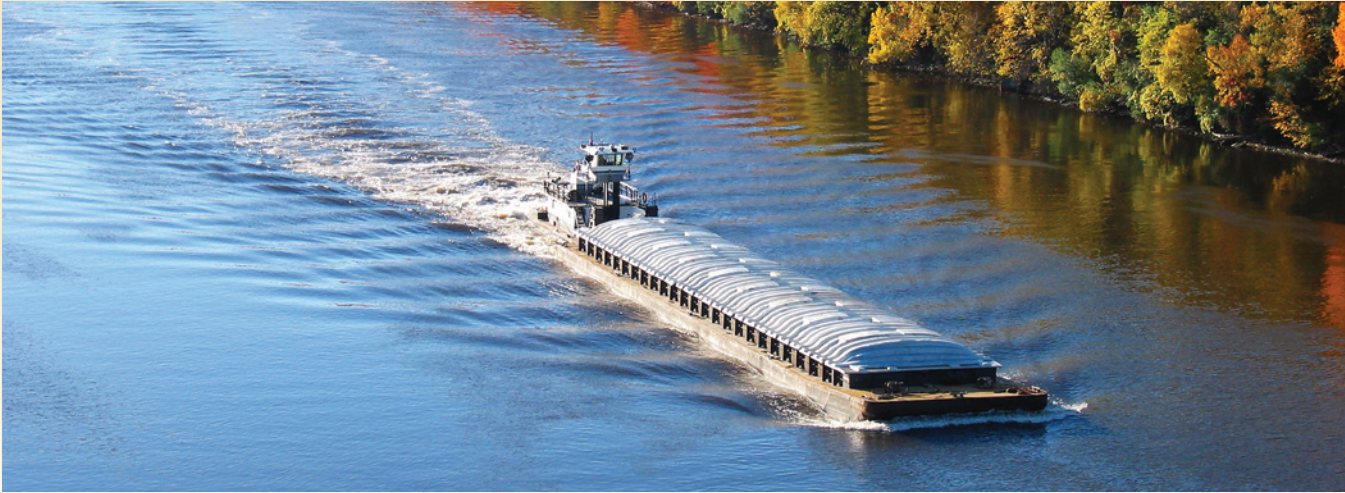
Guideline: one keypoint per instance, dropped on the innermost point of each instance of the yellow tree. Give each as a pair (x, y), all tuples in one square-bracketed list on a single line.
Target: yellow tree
[(792, 16), (1152, 29), (1027, 33), (1183, 69), (898, 31), (1097, 37), (828, 24), (966, 35), (957, 31)]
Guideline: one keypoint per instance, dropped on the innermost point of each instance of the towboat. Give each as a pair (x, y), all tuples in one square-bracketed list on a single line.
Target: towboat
[(851, 359)]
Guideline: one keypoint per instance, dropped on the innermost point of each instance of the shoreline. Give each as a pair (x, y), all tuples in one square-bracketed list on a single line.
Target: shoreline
[(1026, 91)]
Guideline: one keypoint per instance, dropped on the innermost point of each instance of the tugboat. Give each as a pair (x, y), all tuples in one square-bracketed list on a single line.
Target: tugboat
[(853, 360), (595, 191)]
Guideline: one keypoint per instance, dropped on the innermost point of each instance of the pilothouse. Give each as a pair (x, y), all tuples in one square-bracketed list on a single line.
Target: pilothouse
[(595, 191)]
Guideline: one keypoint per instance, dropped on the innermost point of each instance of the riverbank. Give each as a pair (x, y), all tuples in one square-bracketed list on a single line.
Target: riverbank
[(1238, 93)]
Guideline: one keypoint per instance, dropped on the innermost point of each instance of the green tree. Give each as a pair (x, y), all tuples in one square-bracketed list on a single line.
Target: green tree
[(756, 14), (1100, 68), (709, 8)]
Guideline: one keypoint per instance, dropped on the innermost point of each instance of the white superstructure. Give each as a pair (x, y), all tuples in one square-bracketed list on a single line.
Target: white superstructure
[(594, 191)]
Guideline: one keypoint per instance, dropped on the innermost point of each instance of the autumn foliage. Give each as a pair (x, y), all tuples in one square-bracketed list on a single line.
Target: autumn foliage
[(1274, 72), (1338, 34)]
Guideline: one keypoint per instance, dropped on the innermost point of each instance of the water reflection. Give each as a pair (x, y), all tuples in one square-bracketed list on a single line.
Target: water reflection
[(1196, 222)]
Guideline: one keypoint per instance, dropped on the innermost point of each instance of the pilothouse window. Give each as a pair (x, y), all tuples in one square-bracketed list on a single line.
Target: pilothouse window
[(611, 159)]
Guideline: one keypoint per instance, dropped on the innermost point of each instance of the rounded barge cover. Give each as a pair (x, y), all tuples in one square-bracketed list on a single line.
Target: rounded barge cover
[(813, 317)]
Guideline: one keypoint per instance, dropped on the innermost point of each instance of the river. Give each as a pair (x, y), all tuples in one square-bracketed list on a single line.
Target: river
[(282, 246)]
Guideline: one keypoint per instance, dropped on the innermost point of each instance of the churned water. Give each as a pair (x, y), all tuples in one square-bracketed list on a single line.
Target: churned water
[(284, 246)]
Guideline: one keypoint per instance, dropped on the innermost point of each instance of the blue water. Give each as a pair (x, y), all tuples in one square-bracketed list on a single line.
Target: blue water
[(283, 247)]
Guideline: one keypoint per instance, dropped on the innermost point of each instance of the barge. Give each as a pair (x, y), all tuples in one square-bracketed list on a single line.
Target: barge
[(853, 360)]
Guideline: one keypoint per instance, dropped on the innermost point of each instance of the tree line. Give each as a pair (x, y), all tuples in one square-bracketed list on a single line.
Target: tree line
[(1270, 72)]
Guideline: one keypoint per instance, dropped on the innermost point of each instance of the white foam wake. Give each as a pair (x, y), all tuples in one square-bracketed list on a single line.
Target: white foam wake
[(493, 188), (466, 174)]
